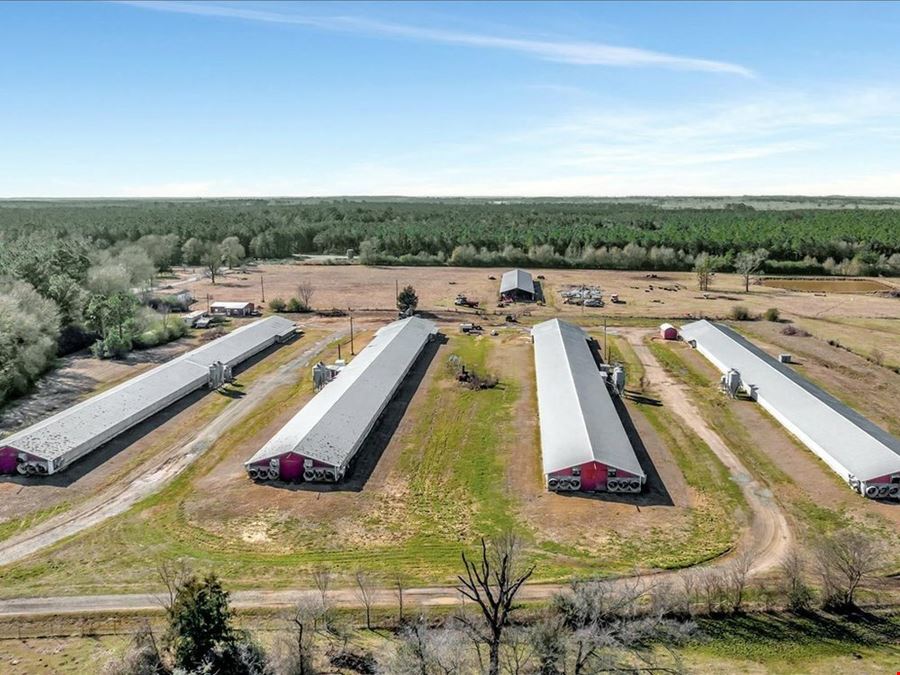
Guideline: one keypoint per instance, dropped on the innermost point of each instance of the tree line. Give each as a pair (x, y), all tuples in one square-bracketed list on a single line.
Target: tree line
[(593, 626), (584, 233)]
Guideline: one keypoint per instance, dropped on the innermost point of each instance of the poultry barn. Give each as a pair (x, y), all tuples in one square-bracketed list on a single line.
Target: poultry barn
[(584, 445), (53, 444), (319, 442)]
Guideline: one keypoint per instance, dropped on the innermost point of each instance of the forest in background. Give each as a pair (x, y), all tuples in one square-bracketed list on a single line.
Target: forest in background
[(76, 273), (827, 235)]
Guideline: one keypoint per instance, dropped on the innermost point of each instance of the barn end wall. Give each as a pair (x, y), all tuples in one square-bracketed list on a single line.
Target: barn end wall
[(291, 465), (593, 475)]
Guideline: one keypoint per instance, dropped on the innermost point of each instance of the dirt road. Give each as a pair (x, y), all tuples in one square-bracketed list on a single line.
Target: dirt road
[(152, 476), (769, 536)]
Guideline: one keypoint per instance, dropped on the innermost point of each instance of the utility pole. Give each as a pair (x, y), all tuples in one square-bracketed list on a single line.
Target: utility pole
[(397, 293), (352, 353), (339, 349), (605, 346), (208, 298), (262, 287)]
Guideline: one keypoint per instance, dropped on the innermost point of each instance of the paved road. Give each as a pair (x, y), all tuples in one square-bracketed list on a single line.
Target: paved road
[(153, 475), (767, 539)]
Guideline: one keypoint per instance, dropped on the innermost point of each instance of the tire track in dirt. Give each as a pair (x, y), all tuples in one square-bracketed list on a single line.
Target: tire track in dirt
[(769, 535)]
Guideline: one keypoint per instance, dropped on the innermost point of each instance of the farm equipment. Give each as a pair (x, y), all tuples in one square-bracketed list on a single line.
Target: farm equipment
[(589, 296), (463, 301), (470, 328)]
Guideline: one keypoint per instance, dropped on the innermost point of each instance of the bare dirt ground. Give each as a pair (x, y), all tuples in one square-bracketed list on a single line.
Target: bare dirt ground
[(362, 287), (871, 389), (149, 477)]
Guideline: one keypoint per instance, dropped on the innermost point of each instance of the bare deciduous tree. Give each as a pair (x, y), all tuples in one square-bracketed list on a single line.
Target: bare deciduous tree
[(611, 628), (305, 293), (520, 646), (711, 586), (747, 263), (798, 593), (399, 583), (423, 650), (492, 584), (364, 593), (141, 657), (295, 654), (846, 560), (736, 576), (322, 578), (172, 574)]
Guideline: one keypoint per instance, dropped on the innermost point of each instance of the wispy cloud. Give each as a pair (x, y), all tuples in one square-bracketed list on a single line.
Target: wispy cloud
[(563, 51)]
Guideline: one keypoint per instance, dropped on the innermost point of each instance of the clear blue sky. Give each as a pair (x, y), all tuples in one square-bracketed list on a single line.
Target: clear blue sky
[(266, 98)]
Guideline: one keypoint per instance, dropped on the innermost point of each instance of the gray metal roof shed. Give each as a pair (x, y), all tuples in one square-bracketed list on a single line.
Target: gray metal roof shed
[(76, 431), (517, 280), (333, 425), (578, 420), (845, 440)]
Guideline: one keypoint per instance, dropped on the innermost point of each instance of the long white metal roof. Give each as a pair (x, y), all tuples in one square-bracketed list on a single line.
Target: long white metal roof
[(228, 304), (334, 424), (87, 425), (578, 420), (517, 280), (844, 439)]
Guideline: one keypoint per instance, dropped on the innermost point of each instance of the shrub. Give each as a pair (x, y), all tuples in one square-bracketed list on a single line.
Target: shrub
[(112, 346), (277, 304), (149, 338), (793, 330), (294, 305), (772, 314), (740, 313)]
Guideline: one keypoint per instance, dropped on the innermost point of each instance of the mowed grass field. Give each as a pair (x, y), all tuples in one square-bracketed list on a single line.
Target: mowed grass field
[(442, 481)]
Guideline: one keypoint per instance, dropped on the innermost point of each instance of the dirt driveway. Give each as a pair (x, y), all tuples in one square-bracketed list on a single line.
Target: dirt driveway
[(769, 536)]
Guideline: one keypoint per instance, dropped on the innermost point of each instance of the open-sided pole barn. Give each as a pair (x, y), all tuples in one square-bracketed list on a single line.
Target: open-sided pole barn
[(516, 285), (54, 443), (321, 440), (863, 454), (584, 445)]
